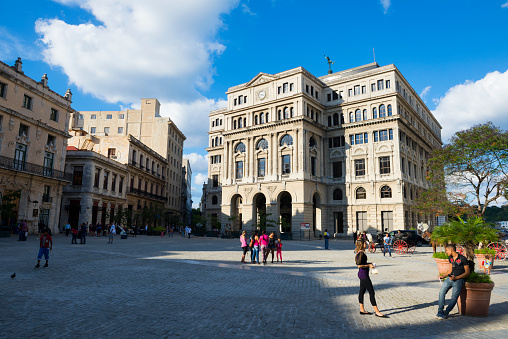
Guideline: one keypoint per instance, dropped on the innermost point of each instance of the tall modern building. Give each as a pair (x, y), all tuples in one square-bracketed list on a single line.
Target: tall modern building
[(346, 151), (147, 126), (33, 140)]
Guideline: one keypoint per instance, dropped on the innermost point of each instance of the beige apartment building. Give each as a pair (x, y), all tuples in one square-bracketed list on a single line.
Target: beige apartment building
[(138, 171), (346, 151), (33, 140), (147, 126)]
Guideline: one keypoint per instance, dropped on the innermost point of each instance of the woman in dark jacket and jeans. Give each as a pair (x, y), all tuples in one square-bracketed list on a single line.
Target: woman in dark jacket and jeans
[(365, 282)]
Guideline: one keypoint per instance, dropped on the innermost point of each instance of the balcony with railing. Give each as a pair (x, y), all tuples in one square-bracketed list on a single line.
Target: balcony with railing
[(27, 167), (142, 193)]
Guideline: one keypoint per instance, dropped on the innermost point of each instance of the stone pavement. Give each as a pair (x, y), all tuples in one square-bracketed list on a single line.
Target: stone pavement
[(163, 288)]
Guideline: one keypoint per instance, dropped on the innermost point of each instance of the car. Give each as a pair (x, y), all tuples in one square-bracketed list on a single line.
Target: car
[(410, 235)]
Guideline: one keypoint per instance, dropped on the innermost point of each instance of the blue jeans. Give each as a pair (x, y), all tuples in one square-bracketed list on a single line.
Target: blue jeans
[(447, 285), (387, 248), (255, 253), (326, 244)]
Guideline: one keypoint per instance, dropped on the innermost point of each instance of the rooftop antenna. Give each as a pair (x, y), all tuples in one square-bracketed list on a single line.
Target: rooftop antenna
[(330, 63), (374, 53)]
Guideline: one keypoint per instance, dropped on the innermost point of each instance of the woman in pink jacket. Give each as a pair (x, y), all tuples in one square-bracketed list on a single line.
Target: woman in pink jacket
[(245, 246)]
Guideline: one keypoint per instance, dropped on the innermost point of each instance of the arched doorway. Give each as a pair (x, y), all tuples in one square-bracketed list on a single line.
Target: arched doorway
[(259, 211), (285, 212), (316, 212), (236, 212)]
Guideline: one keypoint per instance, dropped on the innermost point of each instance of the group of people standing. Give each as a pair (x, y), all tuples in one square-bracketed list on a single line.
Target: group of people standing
[(260, 243), (83, 230)]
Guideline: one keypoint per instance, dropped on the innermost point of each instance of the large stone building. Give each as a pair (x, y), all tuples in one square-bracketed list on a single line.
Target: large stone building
[(146, 125), (186, 192), (346, 151), (126, 174), (33, 140)]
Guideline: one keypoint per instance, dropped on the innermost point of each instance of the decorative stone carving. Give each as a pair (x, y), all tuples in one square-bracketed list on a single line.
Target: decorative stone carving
[(11, 124), (23, 139), (51, 147), (38, 134), (247, 191)]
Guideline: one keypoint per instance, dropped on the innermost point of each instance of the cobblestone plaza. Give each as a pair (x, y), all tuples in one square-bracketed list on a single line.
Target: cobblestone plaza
[(163, 288)]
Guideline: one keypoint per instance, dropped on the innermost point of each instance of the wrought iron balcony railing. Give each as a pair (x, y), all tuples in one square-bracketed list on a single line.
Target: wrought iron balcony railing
[(27, 167)]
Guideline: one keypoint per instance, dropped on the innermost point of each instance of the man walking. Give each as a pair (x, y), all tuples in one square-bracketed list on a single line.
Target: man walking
[(112, 233), (83, 234), (456, 278), (327, 237), (67, 229), (386, 245)]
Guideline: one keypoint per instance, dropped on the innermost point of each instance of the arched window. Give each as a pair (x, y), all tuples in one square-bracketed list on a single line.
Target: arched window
[(216, 141), (390, 110), (240, 120), (382, 111), (279, 116), (312, 142), (292, 112), (358, 115), (220, 141), (342, 119), (364, 114), (361, 193), (351, 117), (240, 148), (263, 144), (404, 192), (244, 122), (374, 113), (336, 119), (286, 140), (267, 116), (213, 142), (255, 120), (329, 121), (215, 200), (337, 194), (312, 114), (286, 113), (261, 118), (386, 192), (234, 124)]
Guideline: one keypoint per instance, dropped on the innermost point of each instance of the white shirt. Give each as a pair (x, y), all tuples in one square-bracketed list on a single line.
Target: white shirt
[(113, 229)]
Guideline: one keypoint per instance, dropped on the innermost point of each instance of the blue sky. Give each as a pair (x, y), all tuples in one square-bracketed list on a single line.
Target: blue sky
[(187, 53)]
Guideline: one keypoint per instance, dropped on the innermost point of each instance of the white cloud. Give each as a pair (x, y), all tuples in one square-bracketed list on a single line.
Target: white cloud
[(474, 102), (386, 4), (246, 9), (505, 5), (424, 93), (198, 162), (12, 47)]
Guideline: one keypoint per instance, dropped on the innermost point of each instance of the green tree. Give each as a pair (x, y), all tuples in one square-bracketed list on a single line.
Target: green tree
[(474, 166), (468, 233), (264, 221)]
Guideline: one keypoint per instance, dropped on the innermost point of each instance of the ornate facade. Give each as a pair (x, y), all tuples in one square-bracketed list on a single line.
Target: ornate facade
[(346, 151)]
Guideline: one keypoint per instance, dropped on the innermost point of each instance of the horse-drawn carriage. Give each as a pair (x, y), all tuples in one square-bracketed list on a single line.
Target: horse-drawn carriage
[(498, 246), (403, 242)]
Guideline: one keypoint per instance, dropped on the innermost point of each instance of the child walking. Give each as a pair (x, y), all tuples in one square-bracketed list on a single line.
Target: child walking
[(487, 264), (46, 245), (279, 250)]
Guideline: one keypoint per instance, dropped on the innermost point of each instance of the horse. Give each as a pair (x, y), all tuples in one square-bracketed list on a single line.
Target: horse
[(428, 236)]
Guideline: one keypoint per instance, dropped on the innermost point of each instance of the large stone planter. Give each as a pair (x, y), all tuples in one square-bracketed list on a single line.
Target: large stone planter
[(443, 266), (481, 259), (474, 299)]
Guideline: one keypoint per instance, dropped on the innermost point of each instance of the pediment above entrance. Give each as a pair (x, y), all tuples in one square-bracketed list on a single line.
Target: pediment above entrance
[(261, 78)]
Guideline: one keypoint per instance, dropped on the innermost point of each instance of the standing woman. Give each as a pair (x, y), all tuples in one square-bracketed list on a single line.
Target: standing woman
[(365, 282), (255, 249), (272, 241), (245, 247)]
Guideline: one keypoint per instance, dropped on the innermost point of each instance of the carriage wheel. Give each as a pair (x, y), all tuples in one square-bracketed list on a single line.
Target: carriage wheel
[(372, 247), (500, 250), (400, 246), (410, 247), (461, 250)]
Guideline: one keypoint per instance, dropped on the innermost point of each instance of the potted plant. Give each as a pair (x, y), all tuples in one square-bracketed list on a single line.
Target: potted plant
[(443, 263), (469, 233), (480, 255), (474, 299)]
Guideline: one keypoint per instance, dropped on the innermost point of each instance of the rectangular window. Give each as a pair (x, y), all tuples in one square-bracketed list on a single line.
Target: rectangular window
[(261, 167), (121, 116), (364, 89), (357, 90), (106, 179), (77, 176), (409, 168), (286, 164), (285, 87), (112, 153), (20, 157), (335, 95), (106, 130), (97, 177), (120, 185), (337, 169), (279, 90), (307, 88), (92, 130), (384, 165), (350, 92), (403, 165), (51, 140), (380, 85), (81, 117), (291, 87), (48, 163), (387, 83), (390, 134), (120, 130), (329, 97), (366, 138), (113, 182), (358, 139), (3, 90), (93, 116), (27, 102), (240, 100), (373, 87), (46, 194), (109, 116), (360, 167), (235, 102), (215, 180), (313, 166), (54, 115), (239, 169), (312, 90), (376, 136), (383, 135), (341, 94), (352, 139)]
